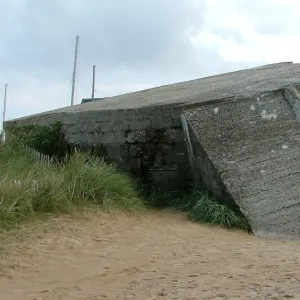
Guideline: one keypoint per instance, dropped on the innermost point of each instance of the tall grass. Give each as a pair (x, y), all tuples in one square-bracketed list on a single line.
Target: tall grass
[(208, 209), (28, 188), (201, 207)]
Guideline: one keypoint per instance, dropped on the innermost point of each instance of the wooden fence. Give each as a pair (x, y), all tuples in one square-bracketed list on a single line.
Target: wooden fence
[(41, 158), (35, 185)]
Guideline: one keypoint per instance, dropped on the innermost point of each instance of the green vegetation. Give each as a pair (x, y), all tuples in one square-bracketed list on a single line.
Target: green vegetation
[(49, 140), (28, 188), (202, 207)]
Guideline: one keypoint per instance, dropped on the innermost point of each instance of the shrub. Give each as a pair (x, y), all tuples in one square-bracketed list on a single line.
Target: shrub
[(49, 140)]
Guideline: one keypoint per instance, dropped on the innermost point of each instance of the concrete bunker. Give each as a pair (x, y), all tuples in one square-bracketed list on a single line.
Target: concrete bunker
[(236, 133)]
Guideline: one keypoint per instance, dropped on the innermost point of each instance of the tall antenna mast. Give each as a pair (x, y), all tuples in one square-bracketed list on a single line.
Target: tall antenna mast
[(3, 136), (74, 71), (93, 86)]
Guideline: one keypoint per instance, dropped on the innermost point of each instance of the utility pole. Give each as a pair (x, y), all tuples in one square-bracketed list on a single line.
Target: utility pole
[(3, 135), (74, 71), (93, 86)]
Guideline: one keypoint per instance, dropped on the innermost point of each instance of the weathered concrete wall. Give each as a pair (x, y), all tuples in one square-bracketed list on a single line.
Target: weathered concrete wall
[(203, 170), (292, 96), (254, 144), (147, 142)]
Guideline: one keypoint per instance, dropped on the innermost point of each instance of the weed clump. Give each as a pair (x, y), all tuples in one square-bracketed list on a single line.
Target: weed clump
[(202, 207), (208, 209)]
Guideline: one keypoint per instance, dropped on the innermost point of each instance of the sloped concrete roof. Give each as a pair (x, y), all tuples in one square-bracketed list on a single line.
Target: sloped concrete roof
[(240, 83)]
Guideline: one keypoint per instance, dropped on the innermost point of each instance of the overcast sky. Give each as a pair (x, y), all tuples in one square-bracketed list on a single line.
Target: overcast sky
[(135, 44)]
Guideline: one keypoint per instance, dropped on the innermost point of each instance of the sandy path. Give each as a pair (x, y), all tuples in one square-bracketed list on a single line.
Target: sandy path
[(158, 256)]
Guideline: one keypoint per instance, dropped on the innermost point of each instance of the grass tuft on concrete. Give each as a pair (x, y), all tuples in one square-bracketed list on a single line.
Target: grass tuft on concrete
[(29, 189)]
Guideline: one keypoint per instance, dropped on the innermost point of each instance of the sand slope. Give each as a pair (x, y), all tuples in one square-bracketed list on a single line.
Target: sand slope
[(157, 256)]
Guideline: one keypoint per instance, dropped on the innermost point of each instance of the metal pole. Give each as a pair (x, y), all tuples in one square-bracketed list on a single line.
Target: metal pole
[(4, 105), (74, 71), (3, 135), (93, 87)]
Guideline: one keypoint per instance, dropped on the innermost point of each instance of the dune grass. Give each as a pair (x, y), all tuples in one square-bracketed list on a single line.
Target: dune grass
[(29, 188), (202, 207)]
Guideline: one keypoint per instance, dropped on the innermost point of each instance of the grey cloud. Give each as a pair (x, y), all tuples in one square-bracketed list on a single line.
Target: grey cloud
[(134, 43), (136, 34), (269, 17)]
